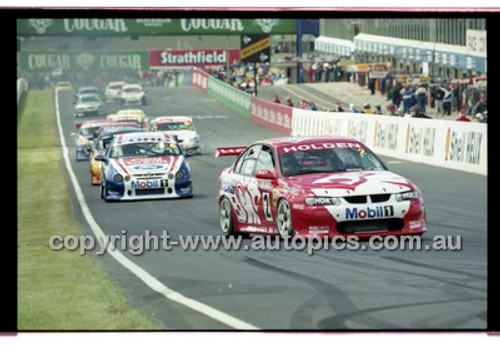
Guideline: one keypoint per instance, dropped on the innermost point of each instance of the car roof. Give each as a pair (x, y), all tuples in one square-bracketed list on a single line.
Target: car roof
[(110, 130), (132, 86), (131, 111), (143, 136), (85, 95), (88, 88), (93, 124), (296, 141), (172, 119), (124, 118)]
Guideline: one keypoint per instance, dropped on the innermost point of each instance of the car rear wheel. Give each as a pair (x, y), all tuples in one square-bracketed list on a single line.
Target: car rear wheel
[(284, 221)]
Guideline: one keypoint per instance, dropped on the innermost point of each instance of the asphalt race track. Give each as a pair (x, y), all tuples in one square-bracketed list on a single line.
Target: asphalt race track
[(291, 289)]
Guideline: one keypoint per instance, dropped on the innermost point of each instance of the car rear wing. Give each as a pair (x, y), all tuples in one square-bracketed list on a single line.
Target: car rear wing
[(229, 151)]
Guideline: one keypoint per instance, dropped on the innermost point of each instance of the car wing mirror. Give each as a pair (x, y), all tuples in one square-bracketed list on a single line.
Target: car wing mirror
[(265, 174)]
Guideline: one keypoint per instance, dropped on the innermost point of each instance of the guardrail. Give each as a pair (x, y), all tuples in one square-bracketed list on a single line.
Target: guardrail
[(450, 144)]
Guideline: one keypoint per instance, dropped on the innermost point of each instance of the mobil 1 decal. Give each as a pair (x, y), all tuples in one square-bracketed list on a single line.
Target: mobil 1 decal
[(255, 48)]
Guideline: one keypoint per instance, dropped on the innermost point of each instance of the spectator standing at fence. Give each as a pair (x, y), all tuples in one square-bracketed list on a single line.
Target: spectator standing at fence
[(396, 94), (447, 100), (371, 85), (312, 106), (277, 99), (328, 71), (388, 86), (407, 96), (421, 94), (480, 107), (338, 107), (311, 74), (440, 91), (289, 102), (367, 108)]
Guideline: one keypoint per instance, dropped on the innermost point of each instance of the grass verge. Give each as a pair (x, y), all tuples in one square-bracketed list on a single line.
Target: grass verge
[(57, 290)]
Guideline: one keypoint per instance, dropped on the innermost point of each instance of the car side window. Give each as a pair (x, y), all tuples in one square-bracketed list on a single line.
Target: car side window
[(246, 163), (265, 161), (248, 167)]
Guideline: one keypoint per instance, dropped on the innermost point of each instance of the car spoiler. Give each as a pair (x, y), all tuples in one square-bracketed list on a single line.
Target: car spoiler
[(229, 151)]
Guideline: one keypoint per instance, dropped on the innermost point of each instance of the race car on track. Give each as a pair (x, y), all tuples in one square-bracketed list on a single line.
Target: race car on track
[(140, 119), (146, 165), (112, 91), (89, 104), (86, 90), (100, 144), (315, 187), (133, 94), (84, 136), (182, 128)]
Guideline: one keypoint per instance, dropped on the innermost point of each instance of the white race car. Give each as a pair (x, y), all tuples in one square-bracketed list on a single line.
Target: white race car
[(182, 128), (145, 165), (113, 90), (89, 104), (133, 94)]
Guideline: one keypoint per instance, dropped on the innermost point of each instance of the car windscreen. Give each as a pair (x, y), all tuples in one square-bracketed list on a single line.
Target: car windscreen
[(175, 126), (328, 161), (132, 89), (88, 131), (105, 139), (144, 149), (92, 98)]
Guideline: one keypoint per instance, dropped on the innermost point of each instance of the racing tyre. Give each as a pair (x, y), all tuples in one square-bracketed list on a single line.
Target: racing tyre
[(226, 218), (284, 221), (103, 192)]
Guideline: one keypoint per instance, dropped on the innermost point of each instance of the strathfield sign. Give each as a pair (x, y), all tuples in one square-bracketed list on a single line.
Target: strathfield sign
[(154, 26), (199, 57)]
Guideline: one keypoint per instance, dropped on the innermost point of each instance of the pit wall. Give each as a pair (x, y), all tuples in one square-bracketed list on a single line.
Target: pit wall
[(450, 144)]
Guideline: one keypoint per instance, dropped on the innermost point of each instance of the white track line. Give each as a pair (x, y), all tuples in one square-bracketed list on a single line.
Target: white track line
[(139, 272)]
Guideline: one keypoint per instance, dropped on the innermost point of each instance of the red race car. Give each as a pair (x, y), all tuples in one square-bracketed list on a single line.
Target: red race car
[(315, 187)]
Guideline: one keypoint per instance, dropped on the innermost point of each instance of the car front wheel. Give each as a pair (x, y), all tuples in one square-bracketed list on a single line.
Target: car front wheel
[(284, 221)]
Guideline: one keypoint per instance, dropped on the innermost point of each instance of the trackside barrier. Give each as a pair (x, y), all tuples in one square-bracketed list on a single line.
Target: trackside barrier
[(22, 87), (226, 94), (451, 144), (199, 79), (271, 115)]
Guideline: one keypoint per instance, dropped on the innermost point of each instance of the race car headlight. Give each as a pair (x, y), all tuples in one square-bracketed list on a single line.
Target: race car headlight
[(322, 201), (179, 175), (408, 195), (118, 178)]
